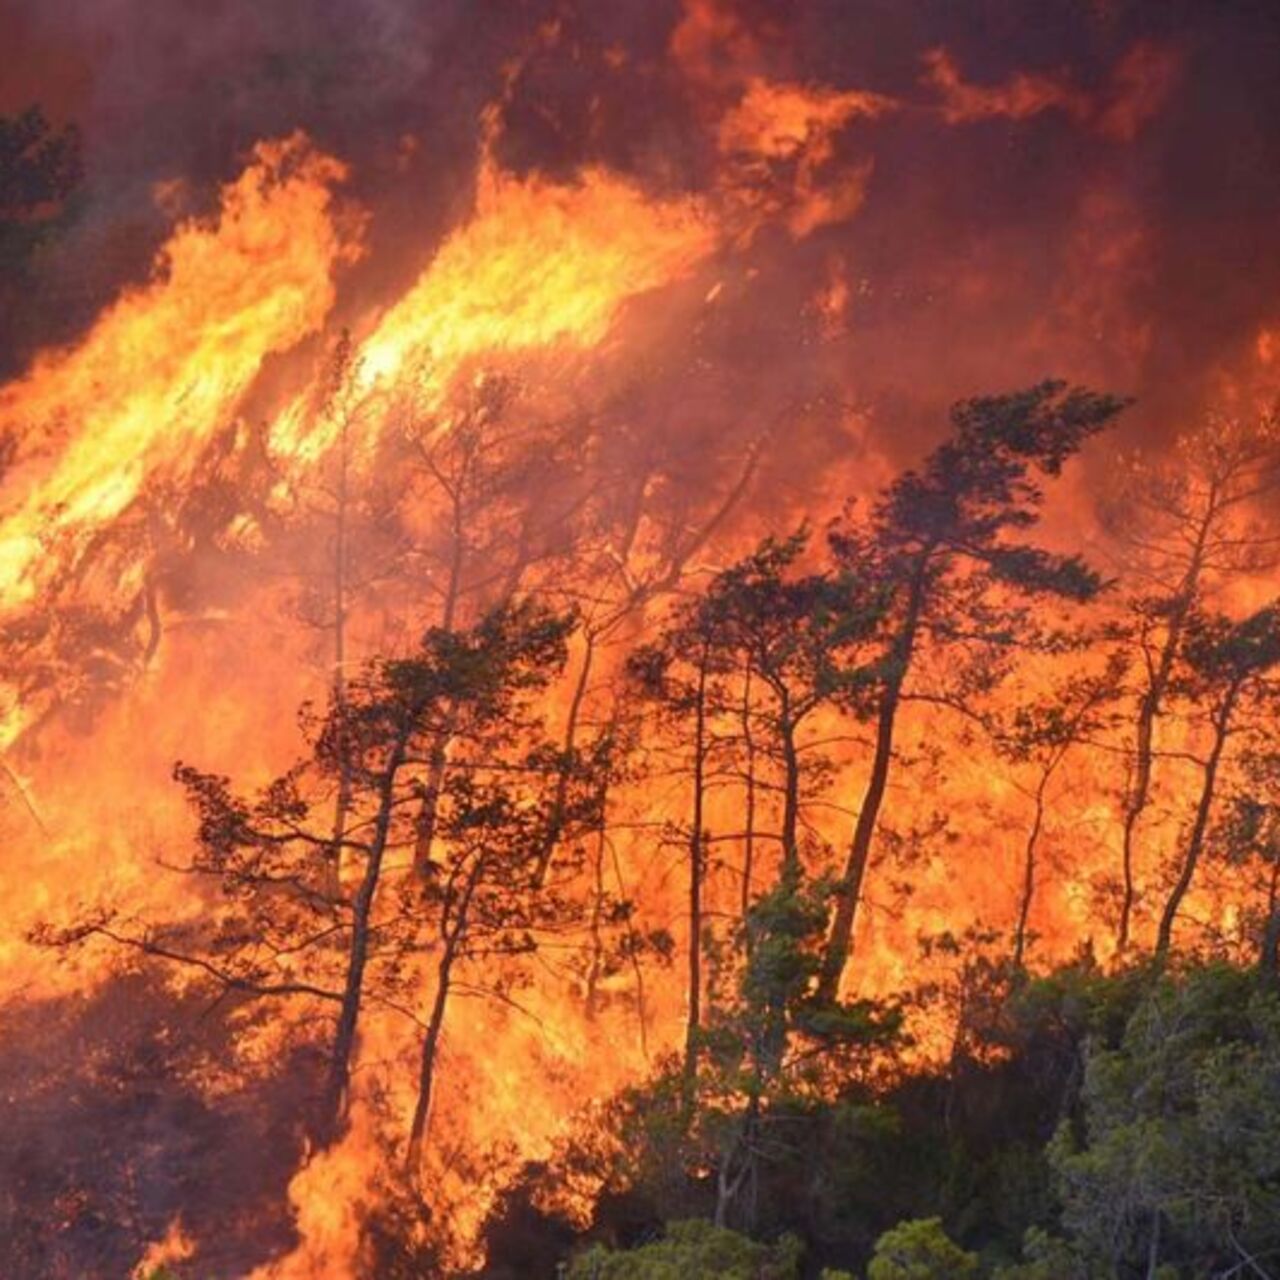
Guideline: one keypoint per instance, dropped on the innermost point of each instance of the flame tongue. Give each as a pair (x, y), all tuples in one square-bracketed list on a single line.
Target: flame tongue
[(164, 367), (538, 266)]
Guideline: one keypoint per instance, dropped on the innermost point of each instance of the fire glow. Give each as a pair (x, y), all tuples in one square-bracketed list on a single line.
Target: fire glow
[(256, 471)]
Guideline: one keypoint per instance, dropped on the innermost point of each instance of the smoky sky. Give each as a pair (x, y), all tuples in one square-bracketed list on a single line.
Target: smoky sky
[(985, 253)]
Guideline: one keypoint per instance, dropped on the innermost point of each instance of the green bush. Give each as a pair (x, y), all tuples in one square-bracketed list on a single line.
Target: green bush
[(693, 1249), (920, 1250), (1045, 1257)]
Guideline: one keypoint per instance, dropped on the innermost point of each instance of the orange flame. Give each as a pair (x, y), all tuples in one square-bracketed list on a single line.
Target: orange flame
[(164, 366)]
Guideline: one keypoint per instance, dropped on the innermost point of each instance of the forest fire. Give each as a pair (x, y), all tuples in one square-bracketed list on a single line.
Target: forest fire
[(639, 631)]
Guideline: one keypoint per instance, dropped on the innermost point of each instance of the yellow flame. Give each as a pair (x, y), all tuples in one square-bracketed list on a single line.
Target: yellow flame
[(163, 367), (539, 264)]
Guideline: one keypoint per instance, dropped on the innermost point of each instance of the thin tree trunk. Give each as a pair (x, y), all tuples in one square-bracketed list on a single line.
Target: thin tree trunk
[(438, 760), (1029, 874), (1149, 712), (592, 634), (790, 793), (1140, 791), (693, 1025), (737, 1169), (427, 1065), (637, 969), (1199, 827), (1153, 1248), (749, 837), (429, 811), (596, 968), (339, 1074), (560, 801), (849, 892), (435, 1023)]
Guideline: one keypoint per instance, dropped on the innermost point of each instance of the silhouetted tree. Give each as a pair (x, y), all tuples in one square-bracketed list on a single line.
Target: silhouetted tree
[(283, 932), (1039, 736), (633, 556), (803, 637), (359, 544), (942, 544), (1228, 676), (488, 899), (1187, 521), (796, 635), (1247, 842), (678, 676), (489, 497)]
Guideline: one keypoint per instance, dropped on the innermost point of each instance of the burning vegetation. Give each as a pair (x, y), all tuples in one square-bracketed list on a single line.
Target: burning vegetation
[(639, 640)]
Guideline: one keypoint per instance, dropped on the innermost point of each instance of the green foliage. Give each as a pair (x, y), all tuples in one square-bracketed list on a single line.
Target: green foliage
[(775, 1046), (920, 1250), (1178, 1154), (1095, 1110), (778, 1039), (1045, 1257), (689, 1249)]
